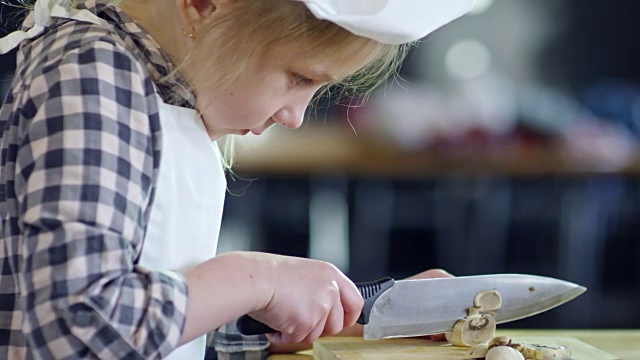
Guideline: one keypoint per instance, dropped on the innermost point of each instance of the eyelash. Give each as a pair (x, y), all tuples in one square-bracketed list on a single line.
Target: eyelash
[(301, 80)]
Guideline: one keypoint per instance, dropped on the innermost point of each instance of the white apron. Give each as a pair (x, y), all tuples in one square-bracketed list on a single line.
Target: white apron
[(185, 219)]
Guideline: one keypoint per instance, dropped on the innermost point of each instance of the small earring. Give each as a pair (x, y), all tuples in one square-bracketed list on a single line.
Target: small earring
[(190, 34)]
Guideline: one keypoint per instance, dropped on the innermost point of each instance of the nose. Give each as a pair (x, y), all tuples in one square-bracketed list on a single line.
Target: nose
[(291, 116)]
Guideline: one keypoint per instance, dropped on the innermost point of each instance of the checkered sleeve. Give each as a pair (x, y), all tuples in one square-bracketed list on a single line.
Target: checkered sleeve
[(84, 171), (227, 343)]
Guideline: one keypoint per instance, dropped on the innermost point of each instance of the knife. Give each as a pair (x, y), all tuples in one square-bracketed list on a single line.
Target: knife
[(431, 306)]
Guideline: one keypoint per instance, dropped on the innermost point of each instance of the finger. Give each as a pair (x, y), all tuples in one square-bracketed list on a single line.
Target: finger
[(352, 302), (275, 338), (437, 274), (292, 333), (319, 326), (335, 321), (438, 337), (431, 274), (315, 333), (292, 338)]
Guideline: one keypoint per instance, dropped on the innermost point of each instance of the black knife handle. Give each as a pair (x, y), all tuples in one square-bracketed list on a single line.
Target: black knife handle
[(370, 292), (250, 326)]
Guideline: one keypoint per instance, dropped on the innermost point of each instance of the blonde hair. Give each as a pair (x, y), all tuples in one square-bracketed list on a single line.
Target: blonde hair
[(251, 28)]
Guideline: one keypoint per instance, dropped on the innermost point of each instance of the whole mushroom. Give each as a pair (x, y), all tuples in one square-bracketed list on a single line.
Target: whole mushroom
[(503, 353)]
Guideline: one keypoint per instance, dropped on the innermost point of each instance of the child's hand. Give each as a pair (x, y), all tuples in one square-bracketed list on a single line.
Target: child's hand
[(355, 330), (429, 274), (309, 299)]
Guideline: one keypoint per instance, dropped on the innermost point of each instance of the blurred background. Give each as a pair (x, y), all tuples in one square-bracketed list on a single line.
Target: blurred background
[(509, 144)]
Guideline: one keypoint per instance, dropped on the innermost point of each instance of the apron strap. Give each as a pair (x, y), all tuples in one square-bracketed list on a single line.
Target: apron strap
[(44, 12)]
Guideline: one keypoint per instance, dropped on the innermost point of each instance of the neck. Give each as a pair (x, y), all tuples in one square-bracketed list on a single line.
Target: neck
[(159, 19)]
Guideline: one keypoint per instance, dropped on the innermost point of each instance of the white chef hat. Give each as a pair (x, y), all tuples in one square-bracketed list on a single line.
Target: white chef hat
[(390, 21)]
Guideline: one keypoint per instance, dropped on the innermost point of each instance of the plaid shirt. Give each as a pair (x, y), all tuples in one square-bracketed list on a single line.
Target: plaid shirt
[(80, 153)]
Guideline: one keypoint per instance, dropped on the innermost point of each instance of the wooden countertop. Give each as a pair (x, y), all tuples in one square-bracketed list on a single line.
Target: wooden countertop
[(622, 343)]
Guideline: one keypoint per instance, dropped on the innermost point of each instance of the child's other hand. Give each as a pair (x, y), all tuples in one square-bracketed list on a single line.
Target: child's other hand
[(433, 274), (309, 299)]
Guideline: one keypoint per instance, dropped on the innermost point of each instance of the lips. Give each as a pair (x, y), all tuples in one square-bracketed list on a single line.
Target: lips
[(248, 131)]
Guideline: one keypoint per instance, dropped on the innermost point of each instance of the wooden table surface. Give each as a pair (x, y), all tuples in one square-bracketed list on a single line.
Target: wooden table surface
[(622, 343)]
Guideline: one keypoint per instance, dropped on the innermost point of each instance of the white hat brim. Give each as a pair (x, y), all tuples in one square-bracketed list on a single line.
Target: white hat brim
[(390, 21)]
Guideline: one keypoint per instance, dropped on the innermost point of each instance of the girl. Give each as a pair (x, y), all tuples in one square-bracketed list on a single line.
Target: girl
[(112, 185)]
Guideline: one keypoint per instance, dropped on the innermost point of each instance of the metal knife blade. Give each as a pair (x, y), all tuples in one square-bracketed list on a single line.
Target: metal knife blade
[(432, 306)]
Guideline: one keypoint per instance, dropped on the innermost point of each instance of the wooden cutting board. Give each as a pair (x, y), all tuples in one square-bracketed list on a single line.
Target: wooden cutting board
[(348, 348)]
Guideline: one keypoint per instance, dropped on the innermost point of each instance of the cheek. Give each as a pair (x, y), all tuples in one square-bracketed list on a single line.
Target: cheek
[(236, 111), (211, 100), (248, 103)]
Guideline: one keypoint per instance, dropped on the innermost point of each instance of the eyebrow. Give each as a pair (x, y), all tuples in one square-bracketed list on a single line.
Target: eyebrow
[(322, 76), (326, 77)]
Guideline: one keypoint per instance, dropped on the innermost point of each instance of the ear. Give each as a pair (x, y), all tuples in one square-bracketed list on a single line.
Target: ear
[(195, 13)]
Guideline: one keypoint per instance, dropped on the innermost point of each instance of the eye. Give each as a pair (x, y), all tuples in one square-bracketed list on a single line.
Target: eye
[(301, 80)]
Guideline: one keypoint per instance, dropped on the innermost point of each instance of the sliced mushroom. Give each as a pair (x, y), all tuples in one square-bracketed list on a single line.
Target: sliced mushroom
[(539, 352), (543, 352), (500, 341), (488, 300), (503, 353), (472, 330), (474, 310), (559, 352), (477, 352)]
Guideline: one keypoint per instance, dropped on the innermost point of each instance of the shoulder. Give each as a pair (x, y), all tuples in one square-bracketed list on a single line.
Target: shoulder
[(81, 77), (74, 49), (80, 63)]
